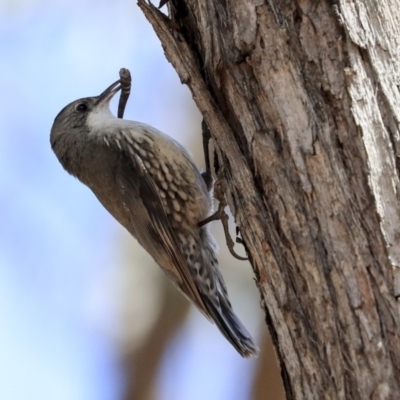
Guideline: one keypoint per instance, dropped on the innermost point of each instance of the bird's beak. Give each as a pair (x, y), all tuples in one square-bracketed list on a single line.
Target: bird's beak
[(109, 93)]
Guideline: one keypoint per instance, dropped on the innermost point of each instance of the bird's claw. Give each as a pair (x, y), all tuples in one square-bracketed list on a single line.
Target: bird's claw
[(221, 215)]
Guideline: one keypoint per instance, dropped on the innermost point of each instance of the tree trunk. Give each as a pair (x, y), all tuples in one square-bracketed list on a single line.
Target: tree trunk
[(302, 99)]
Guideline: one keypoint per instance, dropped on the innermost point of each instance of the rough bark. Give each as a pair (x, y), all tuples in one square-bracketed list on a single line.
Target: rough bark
[(302, 99)]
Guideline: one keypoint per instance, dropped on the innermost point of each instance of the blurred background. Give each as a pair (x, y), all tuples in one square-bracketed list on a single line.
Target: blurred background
[(85, 314)]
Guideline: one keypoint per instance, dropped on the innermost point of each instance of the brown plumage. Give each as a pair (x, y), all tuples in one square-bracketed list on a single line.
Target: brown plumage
[(150, 184)]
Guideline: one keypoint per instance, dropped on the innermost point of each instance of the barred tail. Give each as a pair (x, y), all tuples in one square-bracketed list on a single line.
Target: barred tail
[(231, 327)]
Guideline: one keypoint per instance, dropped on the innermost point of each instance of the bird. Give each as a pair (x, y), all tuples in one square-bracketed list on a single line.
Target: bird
[(150, 184)]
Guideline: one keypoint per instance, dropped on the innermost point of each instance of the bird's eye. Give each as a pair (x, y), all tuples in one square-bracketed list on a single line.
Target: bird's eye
[(82, 107)]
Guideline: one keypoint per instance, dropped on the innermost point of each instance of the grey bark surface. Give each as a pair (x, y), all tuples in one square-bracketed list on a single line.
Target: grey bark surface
[(302, 100)]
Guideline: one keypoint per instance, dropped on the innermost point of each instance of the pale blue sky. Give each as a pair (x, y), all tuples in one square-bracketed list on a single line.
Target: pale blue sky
[(55, 238)]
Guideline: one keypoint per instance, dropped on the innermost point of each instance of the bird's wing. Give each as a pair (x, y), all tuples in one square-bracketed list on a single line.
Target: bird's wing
[(150, 224)]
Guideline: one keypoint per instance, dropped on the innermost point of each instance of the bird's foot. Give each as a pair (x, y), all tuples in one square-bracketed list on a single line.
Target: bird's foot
[(221, 215)]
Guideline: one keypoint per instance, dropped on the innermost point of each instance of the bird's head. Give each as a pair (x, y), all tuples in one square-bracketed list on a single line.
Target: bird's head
[(76, 122), (81, 114)]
